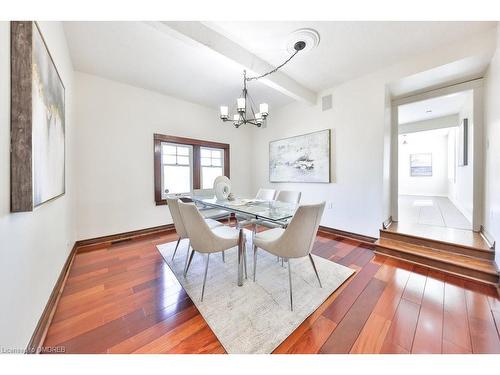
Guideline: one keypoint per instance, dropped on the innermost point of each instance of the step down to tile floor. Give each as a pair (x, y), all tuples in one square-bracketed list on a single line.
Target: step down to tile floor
[(453, 262)]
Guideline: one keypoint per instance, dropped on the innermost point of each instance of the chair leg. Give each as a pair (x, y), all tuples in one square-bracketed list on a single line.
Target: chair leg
[(315, 270), (290, 282), (205, 277), (187, 257), (245, 259), (254, 261), (277, 259), (189, 262), (176, 246), (223, 257), (254, 231), (282, 262)]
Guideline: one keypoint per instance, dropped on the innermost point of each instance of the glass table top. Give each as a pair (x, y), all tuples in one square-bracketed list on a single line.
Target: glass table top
[(259, 209)]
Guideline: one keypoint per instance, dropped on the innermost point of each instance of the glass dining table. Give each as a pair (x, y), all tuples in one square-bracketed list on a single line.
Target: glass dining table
[(275, 212)]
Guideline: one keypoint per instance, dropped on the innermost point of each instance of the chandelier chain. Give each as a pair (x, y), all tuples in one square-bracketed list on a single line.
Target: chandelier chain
[(274, 70)]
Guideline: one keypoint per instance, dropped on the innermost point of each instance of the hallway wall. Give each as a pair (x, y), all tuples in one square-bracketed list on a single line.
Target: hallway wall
[(461, 188), (434, 142)]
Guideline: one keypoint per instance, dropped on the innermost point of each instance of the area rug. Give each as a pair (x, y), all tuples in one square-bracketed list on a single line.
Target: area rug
[(256, 317)]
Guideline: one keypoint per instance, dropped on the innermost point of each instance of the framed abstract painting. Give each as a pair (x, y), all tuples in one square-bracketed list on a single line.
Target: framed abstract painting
[(37, 120), (304, 158)]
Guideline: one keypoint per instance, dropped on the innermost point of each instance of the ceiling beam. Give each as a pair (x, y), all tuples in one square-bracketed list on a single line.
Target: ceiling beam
[(196, 33)]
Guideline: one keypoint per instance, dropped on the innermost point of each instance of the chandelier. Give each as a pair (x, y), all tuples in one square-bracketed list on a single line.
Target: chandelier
[(245, 113)]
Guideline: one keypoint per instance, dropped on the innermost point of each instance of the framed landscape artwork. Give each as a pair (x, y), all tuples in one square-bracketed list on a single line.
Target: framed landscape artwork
[(37, 120), (421, 165), (304, 158)]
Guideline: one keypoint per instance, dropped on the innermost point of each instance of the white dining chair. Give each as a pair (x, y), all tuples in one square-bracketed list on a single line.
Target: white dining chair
[(209, 212), (266, 194), (180, 229), (296, 241), (207, 240), (262, 194), (288, 196)]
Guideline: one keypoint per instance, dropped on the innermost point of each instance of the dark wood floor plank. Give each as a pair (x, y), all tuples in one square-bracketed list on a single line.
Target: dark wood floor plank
[(365, 257), (484, 337), (373, 335), (174, 337), (201, 342), (344, 248), (347, 331), (402, 330), (155, 331), (313, 338), (415, 286), (302, 330), (429, 332), (336, 311), (451, 348), (455, 322), (496, 318)]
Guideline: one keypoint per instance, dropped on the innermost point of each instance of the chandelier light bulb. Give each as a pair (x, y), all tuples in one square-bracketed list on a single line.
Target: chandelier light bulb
[(224, 112), (258, 117), (236, 118), (264, 109), (241, 104)]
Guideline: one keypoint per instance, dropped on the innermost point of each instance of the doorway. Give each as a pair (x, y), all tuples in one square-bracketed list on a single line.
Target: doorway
[(435, 153)]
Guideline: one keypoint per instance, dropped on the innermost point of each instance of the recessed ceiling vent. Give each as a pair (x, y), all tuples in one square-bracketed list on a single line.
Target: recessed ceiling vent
[(326, 102), (307, 39)]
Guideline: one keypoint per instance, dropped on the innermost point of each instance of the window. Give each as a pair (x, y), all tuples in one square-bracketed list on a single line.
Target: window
[(184, 164), (212, 166), (177, 169)]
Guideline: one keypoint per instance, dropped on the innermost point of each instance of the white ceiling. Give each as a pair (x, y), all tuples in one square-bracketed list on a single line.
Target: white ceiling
[(347, 49), (139, 54), (424, 135), (432, 108)]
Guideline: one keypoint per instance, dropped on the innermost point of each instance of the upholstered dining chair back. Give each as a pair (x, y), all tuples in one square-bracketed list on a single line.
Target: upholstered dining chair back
[(209, 193), (299, 236), (266, 194), (198, 230), (288, 196), (173, 206)]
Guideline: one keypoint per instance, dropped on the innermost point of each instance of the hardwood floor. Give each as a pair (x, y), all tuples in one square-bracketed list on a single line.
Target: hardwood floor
[(125, 299)]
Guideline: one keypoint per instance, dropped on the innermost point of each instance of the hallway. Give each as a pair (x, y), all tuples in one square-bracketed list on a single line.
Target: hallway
[(436, 211)]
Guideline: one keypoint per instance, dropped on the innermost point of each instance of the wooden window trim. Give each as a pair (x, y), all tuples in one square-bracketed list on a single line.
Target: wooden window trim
[(196, 144)]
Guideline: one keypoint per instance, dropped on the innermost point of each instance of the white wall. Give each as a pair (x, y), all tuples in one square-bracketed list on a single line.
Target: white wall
[(492, 162), (461, 189), (115, 126), (357, 152), (33, 245), (435, 143)]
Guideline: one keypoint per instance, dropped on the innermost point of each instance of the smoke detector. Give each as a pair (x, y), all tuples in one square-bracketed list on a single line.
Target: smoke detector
[(302, 40)]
